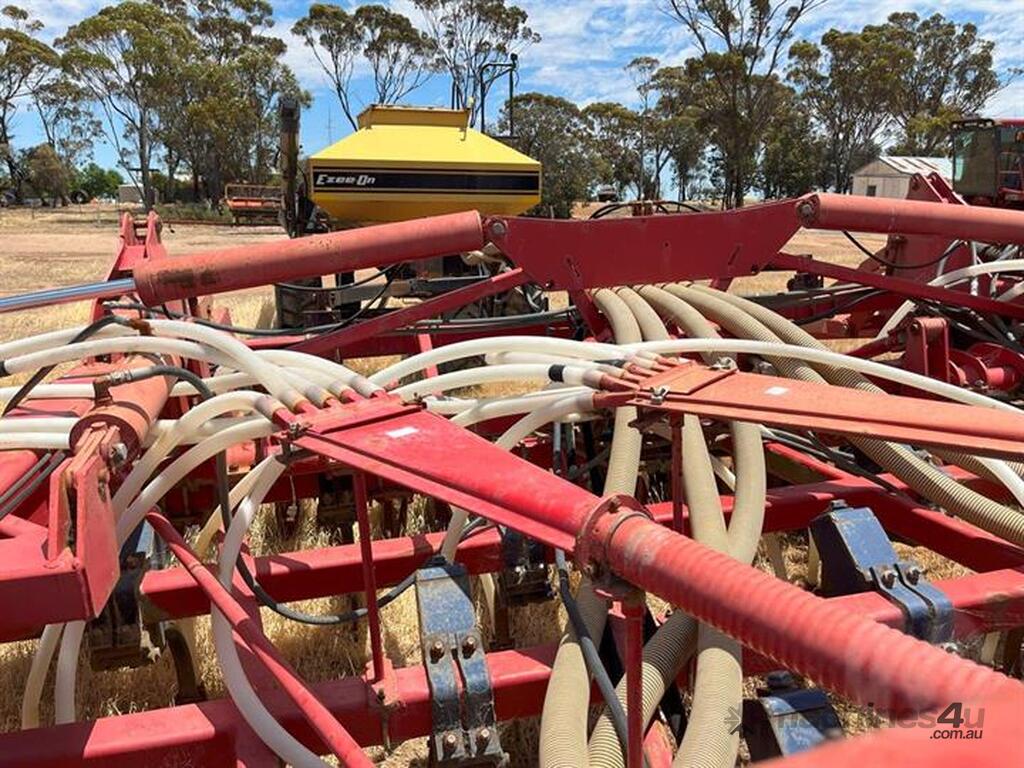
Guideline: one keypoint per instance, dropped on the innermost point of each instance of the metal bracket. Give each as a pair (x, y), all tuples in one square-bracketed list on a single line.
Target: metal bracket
[(857, 556), (119, 637), (785, 719), (525, 578), (465, 729)]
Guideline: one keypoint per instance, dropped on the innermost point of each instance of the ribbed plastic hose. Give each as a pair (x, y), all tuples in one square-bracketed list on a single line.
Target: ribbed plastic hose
[(718, 681), (563, 725), (922, 477), (674, 642), (652, 327)]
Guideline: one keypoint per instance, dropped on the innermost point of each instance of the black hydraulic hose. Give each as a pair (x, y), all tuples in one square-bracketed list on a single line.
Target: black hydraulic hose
[(12, 502), (14, 487), (591, 656), (270, 332), (893, 265), (45, 371)]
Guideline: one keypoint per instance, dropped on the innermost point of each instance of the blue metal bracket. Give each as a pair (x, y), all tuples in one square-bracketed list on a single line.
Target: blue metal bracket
[(465, 730), (786, 719), (857, 556)]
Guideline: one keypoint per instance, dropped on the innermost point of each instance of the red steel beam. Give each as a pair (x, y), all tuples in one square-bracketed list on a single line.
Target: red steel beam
[(250, 266), (729, 394), (171, 592), (855, 213), (573, 255), (900, 285), (208, 733), (435, 307)]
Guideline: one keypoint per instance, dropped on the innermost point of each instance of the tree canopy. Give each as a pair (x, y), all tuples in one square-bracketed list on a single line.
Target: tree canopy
[(186, 92)]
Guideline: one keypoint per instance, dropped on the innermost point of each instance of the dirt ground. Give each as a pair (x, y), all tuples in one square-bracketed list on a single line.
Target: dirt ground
[(47, 249)]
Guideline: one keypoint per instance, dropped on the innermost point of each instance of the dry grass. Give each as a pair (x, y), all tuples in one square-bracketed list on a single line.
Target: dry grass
[(48, 249)]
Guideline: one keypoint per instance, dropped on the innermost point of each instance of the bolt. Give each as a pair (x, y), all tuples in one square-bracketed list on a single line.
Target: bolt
[(888, 577), (779, 679), (913, 574), (449, 742), (118, 454), (469, 646), (954, 648), (483, 737), (498, 228), (381, 694), (805, 210), (436, 651), (294, 429)]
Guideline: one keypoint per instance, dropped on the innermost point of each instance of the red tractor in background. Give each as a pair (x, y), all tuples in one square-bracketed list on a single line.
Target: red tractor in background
[(988, 161)]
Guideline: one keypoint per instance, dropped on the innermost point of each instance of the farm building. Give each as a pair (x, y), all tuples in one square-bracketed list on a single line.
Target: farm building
[(890, 176)]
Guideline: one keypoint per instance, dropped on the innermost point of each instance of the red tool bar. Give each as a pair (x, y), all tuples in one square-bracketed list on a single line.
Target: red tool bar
[(400, 318), (730, 394), (254, 265), (844, 652), (209, 733), (572, 255), (910, 217), (212, 734), (898, 285)]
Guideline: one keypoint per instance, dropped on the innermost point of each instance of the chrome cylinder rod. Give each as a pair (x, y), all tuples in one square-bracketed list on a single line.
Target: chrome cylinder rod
[(108, 289)]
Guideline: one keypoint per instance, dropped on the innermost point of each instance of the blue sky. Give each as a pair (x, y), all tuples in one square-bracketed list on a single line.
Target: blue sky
[(585, 45)]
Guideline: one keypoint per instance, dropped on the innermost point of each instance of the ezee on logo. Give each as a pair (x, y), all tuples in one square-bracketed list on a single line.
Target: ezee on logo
[(326, 179)]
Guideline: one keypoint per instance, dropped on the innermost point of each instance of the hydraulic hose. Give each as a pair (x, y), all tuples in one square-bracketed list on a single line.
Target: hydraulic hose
[(563, 729), (925, 479), (956, 276)]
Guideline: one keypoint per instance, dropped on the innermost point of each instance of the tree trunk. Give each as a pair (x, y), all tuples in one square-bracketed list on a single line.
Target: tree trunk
[(144, 148)]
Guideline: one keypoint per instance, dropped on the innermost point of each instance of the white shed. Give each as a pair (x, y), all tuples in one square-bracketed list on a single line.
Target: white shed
[(890, 176)]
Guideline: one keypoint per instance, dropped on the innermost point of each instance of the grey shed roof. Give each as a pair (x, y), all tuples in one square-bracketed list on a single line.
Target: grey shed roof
[(908, 166)]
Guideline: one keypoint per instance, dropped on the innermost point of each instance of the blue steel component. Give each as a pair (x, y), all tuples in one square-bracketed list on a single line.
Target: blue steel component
[(857, 556), (465, 730), (786, 719)]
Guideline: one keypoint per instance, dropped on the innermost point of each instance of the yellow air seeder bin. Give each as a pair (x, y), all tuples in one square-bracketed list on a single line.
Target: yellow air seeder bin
[(407, 162)]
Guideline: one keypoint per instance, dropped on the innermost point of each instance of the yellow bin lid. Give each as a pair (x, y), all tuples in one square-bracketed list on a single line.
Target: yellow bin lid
[(407, 162)]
